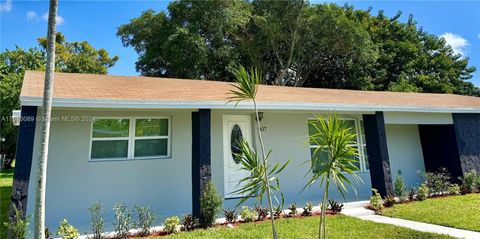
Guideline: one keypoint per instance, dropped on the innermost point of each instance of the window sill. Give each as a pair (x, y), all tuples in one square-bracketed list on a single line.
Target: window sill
[(130, 159)]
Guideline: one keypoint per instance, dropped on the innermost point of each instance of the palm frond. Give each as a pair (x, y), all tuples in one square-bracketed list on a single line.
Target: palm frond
[(246, 84)]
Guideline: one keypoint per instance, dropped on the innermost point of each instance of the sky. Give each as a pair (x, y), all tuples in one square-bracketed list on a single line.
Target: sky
[(95, 21)]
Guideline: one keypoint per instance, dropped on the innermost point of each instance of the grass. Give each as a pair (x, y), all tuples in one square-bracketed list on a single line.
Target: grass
[(337, 227), (461, 212), (6, 179)]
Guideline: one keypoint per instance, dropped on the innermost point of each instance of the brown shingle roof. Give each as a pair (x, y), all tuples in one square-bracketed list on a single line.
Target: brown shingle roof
[(70, 87)]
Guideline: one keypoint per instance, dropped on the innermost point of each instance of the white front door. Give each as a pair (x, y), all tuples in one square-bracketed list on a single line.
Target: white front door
[(235, 127)]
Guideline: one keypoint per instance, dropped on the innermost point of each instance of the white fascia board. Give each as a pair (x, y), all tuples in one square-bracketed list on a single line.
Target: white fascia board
[(171, 104)]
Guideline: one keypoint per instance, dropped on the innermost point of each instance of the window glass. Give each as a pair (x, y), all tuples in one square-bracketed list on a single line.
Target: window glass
[(105, 149), (235, 140), (110, 128), (365, 156), (151, 147), (151, 127)]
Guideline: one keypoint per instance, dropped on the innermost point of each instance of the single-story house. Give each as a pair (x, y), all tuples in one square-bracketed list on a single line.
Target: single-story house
[(156, 141)]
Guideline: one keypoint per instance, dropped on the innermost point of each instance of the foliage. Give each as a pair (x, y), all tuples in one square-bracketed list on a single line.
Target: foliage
[(438, 181), (247, 214), (18, 225), (399, 186), (334, 206), (145, 219), (278, 211), (210, 204), (292, 209), (454, 189), (411, 194), (123, 220), (170, 224), (308, 209), (376, 201), (6, 180), (67, 231), (231, 215), (423, 192), (389, 201), (334, 138), (47, 232), (262, 212), (189, 222), (97, 221), (470, 180)]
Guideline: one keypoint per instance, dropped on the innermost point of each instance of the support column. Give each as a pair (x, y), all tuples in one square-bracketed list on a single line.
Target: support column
[(201, 166), (378, 160), (23, 158), (467, 132)]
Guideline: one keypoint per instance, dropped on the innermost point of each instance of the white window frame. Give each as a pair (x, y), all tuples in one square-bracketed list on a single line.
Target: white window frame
[(360, 145), (131, 138)]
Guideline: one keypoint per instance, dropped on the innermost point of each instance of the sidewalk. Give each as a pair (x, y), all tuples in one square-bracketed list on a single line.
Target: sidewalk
[(362, 213)]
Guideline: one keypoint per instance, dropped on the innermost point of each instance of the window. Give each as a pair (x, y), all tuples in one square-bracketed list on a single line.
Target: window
[(130, 138), (359, 143)]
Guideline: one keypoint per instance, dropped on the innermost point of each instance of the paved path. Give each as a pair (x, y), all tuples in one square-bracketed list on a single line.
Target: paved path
[(365, 214)]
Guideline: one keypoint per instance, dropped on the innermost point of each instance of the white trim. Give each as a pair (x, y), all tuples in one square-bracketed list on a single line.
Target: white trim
[(131, 138), (196, 104)]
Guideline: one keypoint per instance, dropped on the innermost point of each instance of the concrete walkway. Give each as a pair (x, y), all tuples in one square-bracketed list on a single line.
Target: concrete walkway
[(360, 212)]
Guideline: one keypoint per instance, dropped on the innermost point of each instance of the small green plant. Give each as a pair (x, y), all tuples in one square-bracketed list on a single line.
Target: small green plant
[(18, 225), (389, 201), (454, 189), (67, 231), (376, 201), (437, 181), (47, 232), (293, 209), (278, 211), (308, 209), (145, 219), (262, 212), (122, 221), (423, 192), (400, 188), (231, 215), (210, 204), (247, 214), (97, 221), (469, 181), (411, 194), (334, 206), (189, 222), (171, 224)]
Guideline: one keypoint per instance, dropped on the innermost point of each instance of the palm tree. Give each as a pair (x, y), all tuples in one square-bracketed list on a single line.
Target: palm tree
[(333, 138), (39, 213), (262, 179)]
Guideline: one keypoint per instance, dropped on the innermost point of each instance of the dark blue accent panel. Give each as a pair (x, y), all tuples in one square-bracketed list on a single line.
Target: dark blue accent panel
[(439, 147), (23, 159), (201, 166), (378, 159), (467, 131)]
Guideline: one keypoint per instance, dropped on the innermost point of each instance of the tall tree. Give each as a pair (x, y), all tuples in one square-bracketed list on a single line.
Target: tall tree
[(39, 211)]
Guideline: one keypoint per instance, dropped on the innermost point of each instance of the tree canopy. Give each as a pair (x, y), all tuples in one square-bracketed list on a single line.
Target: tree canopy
[(77, 57), (295, 43)]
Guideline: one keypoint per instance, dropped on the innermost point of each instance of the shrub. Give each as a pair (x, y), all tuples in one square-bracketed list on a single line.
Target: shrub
[(123, 220), (210, 204), (247, 214), (400, 188), (454, 189), (389, 201), (146, 217), (469, 181), (96, 215), (423, 192), (47, 232), (170, 224), (293, 209), (189, 222), (376, 201), (438, 181), (262, 213), (334, 206), (278, 211), (18, 225), (230, 215), (411, 194), (308, 209), (67, 231)]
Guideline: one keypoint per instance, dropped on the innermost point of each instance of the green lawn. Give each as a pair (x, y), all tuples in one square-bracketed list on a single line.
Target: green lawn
[(457, 211), (337, 227), (6, 178)]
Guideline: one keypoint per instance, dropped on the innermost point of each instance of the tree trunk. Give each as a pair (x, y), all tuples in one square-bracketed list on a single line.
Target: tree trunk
[(39, 213)]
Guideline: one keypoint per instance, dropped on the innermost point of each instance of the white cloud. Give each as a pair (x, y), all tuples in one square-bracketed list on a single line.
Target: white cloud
[(6, 6), (32, 16), (458, 43), (59, 19)]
